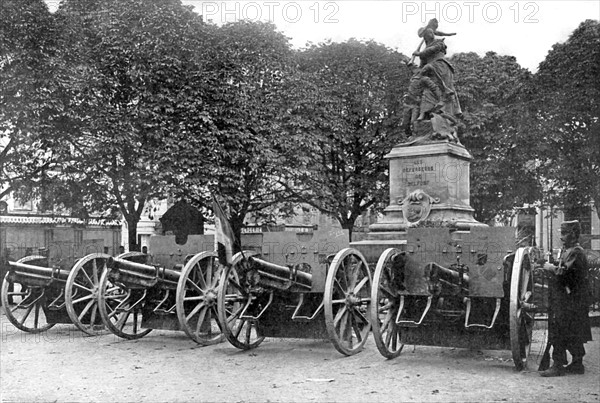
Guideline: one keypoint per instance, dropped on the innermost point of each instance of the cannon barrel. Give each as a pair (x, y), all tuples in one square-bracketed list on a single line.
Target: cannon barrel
[(145, 270), (39, 271), (282, 273)]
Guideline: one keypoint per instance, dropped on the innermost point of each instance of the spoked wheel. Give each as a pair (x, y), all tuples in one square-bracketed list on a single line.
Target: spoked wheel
[(233, 297), (384, 306), (25, 305), (196, 300), (347, 301), (81, 292), (121, 307), (522, 312)]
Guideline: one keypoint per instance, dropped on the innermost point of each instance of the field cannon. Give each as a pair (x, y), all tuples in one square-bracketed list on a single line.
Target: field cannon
[(40, 291), (468, 289), (173, 287), (296, 285)]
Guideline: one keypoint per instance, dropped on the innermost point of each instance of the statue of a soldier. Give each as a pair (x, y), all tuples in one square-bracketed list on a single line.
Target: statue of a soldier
[(568, 322)]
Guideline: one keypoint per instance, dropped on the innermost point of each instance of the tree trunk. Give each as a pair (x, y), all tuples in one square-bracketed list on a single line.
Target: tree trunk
[(349, 225), (132, 223)]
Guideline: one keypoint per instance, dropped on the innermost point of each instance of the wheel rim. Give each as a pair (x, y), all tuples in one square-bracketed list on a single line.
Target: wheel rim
[(121, 308), (81, 293), (232, 297), (27, 311), (196, 300), (521, 321), (384, 307), (347, 301)]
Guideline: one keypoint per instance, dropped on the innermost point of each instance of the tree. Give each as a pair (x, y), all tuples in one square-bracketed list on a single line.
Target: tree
[(342, 124), (492, 91), (564, 119), (247, 66), (33, 100), (135, 87)]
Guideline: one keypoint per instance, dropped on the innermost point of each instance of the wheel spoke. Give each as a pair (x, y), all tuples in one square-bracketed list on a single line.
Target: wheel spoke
[(386, 321), (248, 332), (85, 298), (339, 286), (357, 330), (82, 287), (361, 284), (386, 290), (339, 315), (135, 322), (36, 316), (120, 324), (208, 274), (87, 277), (94, 272), (190, 282), (200, 318), (195, 298), (217, 274), (359, 314), (27, 312), (93, 314), (196, 309), (85, 310), (197, 270)]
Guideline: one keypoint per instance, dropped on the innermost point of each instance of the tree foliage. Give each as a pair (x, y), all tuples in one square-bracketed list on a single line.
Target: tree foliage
[(564, 114), (134, 84), (341, 125), (34, 103), (492, 90)]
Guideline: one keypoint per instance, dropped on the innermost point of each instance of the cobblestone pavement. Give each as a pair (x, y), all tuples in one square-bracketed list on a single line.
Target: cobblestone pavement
[(63, 365)]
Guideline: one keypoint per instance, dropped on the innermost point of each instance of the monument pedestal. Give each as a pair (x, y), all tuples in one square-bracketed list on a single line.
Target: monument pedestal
[(429, 187)]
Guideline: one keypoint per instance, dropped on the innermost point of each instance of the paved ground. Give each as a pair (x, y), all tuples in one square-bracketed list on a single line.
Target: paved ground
[(63, 365)]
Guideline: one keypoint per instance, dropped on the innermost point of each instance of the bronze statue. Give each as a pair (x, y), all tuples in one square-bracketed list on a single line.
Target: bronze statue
[(431, 106)]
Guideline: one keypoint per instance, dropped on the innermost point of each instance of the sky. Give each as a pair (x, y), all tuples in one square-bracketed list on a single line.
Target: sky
[(524, 29)]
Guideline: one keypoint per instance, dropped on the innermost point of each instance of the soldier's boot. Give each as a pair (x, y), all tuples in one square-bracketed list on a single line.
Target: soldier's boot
[(576, 366), (554, 370)]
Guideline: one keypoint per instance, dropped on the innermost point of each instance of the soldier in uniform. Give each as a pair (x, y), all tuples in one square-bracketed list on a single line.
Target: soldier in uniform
[(569, 324)]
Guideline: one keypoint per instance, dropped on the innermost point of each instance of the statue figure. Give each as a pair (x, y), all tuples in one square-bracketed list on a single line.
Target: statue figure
[(431, 106)]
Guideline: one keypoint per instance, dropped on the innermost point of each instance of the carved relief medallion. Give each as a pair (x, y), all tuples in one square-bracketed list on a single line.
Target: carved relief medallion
[(417, 206)]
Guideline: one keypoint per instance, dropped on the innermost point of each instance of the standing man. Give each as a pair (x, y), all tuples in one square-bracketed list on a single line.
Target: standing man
[(569, 324)]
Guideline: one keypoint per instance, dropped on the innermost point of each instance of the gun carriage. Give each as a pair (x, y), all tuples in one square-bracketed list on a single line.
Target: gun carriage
[(40, 291), (173, 287), (466, 289), (296, 285)]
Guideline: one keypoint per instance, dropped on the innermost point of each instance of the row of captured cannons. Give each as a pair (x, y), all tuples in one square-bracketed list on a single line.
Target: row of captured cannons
[(289, 285)]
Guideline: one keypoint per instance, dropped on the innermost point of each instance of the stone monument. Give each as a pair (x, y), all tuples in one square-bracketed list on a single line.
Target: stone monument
[(429, 173)]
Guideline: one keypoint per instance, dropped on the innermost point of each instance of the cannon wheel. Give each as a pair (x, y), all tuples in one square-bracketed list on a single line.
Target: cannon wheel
[(347, 301), (196, 299), (384, 307), (521, 321), (81, 293), (231, 300), (31, 299), (121, 307)]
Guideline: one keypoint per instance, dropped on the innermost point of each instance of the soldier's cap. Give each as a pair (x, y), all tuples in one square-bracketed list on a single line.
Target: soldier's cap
[(570, 226), (432, 24)]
